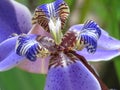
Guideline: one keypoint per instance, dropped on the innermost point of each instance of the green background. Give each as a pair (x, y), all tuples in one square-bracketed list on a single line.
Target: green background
[(105, 12)]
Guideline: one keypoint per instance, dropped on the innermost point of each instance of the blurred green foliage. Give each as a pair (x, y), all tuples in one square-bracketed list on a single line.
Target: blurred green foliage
[(17, 79), (107, 12)]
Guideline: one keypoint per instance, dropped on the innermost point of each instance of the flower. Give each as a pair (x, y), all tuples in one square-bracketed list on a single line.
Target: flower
[(45, 49)]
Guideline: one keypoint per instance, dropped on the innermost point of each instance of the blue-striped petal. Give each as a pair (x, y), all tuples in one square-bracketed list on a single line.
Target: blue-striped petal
[(93, 27), (68, 73), (28, 46), (54, 10), (88, 35), (107, 46)]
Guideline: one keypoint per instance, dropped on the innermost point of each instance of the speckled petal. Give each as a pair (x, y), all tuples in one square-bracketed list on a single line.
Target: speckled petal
[(73, 76), (108, 47), (8, 57), (14, 18)]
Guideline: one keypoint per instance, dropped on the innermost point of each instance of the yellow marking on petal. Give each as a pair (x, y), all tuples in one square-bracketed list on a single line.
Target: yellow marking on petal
[(79, 44)]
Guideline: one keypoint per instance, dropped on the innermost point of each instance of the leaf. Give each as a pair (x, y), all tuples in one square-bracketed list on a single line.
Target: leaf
[(17, 79)]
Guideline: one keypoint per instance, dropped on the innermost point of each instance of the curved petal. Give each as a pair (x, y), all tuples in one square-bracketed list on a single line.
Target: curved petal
[(23, 16), (10, 61), (8, 57), (70, 76), (54, 10), (6, 47), (110, 43), (100, 54), (14, 18), (107, 47)]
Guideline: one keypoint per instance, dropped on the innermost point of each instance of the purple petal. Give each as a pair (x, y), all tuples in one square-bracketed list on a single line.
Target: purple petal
[(11, 61), (6, 47), (108, 47), (100, 54), (14, 18), (8, 57), (23, 16), (108, 42), (73, 77), (70, 76)]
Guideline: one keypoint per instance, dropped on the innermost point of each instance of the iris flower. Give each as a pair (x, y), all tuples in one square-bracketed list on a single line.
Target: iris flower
[(44, 48)]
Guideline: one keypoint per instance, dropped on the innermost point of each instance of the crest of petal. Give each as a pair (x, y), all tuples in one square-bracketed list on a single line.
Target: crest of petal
[(54, 10), (88, 35), (28, 46)]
